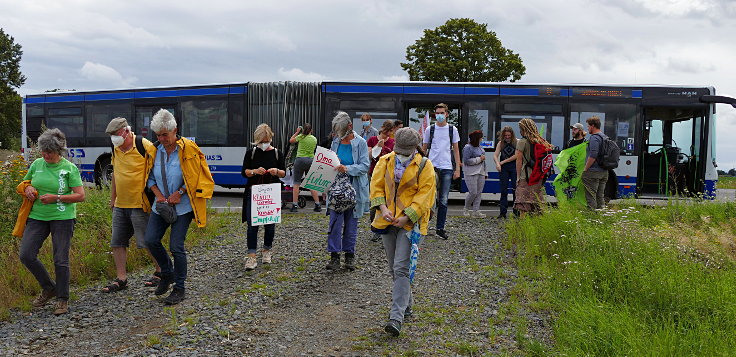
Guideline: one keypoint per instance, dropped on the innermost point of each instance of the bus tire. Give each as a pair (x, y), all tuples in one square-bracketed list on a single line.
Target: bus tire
[(104, 175)]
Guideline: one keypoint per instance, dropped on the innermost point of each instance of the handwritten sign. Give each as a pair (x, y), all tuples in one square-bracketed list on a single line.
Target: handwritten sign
[(322, 173), (265, 204)]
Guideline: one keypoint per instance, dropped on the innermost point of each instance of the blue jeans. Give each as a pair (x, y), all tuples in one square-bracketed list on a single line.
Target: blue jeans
[(506, 176), (444, 179), (155, 232), (343, 232), (252, 233)]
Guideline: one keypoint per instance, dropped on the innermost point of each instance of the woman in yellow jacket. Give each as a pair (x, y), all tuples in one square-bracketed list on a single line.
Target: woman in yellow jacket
[(184, 183), (404, 196)]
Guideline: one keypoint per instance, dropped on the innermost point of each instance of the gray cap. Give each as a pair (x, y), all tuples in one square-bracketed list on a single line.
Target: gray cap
[(577, 125), (115, 125), (406, 141)]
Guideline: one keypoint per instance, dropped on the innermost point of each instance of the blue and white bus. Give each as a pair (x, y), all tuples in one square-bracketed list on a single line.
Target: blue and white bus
[(666, 133)]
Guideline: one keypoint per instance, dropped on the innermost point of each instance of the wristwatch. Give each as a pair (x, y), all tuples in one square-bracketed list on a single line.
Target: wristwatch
[(181, 192)]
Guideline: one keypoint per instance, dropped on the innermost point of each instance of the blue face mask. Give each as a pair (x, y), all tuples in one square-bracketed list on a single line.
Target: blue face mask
[(366, 124), (440, 118)]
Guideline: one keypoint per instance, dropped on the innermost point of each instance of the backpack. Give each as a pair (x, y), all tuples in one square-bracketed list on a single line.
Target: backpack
[(540, 162), (431, 138), (342, 195), (608, 154), (142, 151)]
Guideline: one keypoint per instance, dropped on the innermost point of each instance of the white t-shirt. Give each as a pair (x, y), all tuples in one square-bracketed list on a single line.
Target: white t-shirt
[(441, 151)]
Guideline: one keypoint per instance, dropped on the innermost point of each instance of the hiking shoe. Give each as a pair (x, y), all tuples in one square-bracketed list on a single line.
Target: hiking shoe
[(408, 312), (350, 261), (176, 296), (466, 212), (441, 233), (250, 263), (478, 214), (163, 286), (334, 263), (294, 208), (393, 328), (266, 256), (43, 298), (317, 207), (62, 307)]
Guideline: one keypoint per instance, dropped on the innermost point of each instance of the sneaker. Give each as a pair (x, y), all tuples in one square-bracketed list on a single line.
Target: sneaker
[(176, 296), (408, 312), (393, 328), (466, 212), (442, 234), (62, 307), (478, 214), (501, 216), (250, 263), (163, 286), (317, 207), (294, 208), (43, 298), (266, 256)]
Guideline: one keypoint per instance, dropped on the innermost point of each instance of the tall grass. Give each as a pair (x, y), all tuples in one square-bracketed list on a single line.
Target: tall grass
[(90, 254), (726, 182), (635, 281)]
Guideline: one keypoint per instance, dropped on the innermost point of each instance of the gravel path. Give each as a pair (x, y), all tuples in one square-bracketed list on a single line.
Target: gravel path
[(464, 303)]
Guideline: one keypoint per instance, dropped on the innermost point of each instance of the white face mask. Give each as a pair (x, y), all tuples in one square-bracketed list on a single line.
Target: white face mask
[(404, 158), (265, 146), (117, 140)]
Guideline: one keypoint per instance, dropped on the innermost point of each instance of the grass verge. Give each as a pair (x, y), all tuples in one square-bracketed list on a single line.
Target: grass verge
[(632, 280)]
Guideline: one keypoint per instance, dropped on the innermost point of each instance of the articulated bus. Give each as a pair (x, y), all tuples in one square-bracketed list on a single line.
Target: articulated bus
[(666, 133)]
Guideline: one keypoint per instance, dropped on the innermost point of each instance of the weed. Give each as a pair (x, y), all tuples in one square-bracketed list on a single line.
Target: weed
[(153, 340)]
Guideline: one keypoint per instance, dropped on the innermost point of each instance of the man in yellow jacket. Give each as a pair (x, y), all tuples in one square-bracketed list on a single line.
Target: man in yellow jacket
[(403, 189)]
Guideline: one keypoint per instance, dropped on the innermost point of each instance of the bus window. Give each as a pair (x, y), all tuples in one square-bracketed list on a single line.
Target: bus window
[(98, 116), (551, 127), (618, 121), (482, 116), (143, 116), (418, 112), (70, 121), (380, 109), (205, 120)]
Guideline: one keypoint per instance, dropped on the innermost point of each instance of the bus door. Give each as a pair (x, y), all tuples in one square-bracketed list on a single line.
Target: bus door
[(144, 114), (674, 152)]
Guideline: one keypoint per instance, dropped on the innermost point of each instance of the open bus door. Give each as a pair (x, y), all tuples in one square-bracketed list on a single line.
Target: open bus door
[(674, 152)]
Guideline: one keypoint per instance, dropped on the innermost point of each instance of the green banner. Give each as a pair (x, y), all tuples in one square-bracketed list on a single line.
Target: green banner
[(568, 183)]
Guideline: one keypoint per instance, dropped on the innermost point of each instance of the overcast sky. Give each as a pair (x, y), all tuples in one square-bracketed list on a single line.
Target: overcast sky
[(91, 45)]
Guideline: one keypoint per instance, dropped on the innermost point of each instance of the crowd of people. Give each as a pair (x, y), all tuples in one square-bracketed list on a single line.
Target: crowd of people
[(400, 176)]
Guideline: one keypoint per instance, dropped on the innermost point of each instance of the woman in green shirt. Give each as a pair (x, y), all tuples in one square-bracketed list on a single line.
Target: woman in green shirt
[(55, 188), (304, 155)]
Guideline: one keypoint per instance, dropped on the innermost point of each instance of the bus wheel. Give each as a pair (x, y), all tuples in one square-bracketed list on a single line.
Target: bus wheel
[(105, 174)]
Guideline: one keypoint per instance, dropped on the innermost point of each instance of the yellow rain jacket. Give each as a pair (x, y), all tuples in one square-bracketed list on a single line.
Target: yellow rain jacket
[(24, 211), (413, 197), (197, 178)]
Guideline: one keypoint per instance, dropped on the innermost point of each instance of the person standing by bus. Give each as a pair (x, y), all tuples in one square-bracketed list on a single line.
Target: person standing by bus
[(594, 176), (132, 157), (307, 144), (474, 170), (402, 190), (368, 130), (55, 186), (378, 146), (504, 157), (528, 197), (352, 151), (181, 179), (441, 145), (578, 136), (262, 164)]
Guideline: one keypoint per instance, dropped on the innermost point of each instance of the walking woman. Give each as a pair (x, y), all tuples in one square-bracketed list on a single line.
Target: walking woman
[(262, 164), (180, 179), (54, 186), (352, 151), (504, 157), (528, 197), (378, 146), (403, 190), (304, 156), (474, 170)]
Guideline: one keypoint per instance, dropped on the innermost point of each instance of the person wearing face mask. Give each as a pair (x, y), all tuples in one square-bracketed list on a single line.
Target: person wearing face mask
[(132, 158), (262, 164), (474, 168), (352, 151), (402, 192), (368, 130)]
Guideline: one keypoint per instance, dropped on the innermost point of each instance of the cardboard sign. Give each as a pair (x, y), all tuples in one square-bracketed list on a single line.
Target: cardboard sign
[(322, 173), (265, 204)]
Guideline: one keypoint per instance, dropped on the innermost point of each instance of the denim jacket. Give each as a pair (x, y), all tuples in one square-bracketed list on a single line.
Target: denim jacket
[(358, 172)]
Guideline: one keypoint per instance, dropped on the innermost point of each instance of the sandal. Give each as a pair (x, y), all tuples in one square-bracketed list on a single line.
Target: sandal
[(153, 281), (116, 285)]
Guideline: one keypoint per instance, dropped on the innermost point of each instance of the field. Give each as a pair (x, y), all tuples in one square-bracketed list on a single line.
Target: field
[(727, 182)]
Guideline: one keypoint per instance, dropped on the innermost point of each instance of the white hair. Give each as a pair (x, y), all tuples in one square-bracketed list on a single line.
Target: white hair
[(163, 120), (340, 124)]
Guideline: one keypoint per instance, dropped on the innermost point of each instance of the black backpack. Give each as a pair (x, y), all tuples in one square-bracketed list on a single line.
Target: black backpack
[(608, 154)]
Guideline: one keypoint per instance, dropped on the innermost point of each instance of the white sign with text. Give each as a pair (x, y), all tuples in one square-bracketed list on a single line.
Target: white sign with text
[(265, 201)]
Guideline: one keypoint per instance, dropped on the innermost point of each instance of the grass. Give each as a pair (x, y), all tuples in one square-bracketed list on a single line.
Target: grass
[(633, 280), (728, 182)]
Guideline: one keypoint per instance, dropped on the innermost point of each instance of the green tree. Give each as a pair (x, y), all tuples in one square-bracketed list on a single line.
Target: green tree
[(462, 50), (11, 78)]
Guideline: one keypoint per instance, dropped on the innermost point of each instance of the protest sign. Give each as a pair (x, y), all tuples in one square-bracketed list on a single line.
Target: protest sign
[(322, 173), (265, 204)]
